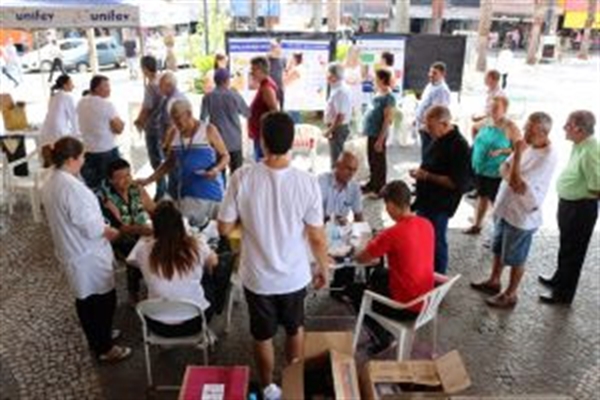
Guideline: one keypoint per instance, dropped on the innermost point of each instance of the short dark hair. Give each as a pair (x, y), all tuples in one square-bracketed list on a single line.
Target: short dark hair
[(277, 130), (388, 58), (149, 63), (115, 166), (261, 62), (384, 75), (298, 57), (64, 149), (97, 81), (397, 193), (440, 66), (494, 74)]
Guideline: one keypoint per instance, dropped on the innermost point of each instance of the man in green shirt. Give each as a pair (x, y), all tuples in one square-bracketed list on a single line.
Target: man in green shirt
[(578, 189)]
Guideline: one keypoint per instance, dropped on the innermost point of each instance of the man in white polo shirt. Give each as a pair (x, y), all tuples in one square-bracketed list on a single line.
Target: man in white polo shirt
[(278, 209), (338, 112), (99, 123)]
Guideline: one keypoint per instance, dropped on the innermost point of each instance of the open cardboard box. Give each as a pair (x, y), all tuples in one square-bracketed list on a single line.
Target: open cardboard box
[(411, 379), (327, 371)]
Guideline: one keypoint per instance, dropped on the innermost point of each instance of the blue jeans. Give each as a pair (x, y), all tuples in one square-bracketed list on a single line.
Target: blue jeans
[(95, 167), (439, 220), (156, 156)]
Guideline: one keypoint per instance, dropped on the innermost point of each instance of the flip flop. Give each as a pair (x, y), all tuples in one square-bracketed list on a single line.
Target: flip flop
[(474, 230), (501, 301), (115, 354), (485, 287)]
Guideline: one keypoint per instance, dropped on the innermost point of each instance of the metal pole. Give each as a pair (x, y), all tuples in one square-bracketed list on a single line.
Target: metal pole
[(206, 41)]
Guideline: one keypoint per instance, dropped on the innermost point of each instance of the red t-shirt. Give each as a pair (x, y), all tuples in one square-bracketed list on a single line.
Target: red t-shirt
[(409, 247), (258, 108)]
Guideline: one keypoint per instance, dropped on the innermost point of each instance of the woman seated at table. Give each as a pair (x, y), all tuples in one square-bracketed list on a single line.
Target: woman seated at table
[(198, 157), (126, 206), (173, 263)]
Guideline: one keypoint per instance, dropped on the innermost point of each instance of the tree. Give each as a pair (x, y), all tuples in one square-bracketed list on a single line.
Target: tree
[(539, 15), (584, 49), (333, 15), (402, 16), (437, 16), (485, 24)]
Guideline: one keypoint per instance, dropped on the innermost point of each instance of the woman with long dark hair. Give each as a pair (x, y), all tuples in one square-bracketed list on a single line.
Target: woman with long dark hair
[(173, 263), (81, 244), (61, 119)]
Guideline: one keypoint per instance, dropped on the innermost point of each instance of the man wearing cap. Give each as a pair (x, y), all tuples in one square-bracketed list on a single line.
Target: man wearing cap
[(222, 107)]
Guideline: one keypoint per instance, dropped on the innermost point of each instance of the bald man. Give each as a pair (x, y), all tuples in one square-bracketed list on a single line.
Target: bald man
[(341, 194)]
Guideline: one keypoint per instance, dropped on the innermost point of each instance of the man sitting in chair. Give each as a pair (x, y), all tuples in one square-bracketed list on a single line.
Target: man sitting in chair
[(341, 195), (409, 247)]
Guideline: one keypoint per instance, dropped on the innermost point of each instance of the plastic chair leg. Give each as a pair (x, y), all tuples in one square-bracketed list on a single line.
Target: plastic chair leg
[(148, 365)]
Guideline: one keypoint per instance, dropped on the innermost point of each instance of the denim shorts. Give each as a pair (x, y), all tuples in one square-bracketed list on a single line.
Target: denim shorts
[(511, 243)]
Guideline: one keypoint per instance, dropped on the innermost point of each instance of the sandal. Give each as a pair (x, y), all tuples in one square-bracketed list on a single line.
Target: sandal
[(474, 230), (115, 354), (486, 287), (501, 301)]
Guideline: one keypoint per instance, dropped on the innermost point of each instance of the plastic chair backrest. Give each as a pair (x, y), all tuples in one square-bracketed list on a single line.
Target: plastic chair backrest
[(156, 308), (432, 302), (305, 136)]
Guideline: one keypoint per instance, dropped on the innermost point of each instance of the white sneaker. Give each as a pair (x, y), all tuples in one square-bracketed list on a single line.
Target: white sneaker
[(272, 392)]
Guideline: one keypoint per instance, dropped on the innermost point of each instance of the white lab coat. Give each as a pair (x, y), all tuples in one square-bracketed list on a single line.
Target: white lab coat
[(77, 228), (61, 119)]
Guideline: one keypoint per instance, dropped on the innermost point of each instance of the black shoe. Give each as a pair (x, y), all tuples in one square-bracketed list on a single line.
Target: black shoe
[(546, 281), (553, 299)]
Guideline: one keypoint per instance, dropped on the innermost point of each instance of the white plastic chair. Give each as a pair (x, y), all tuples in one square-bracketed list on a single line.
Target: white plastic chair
[(32, 183), (154, 309), (406, 330), (306, 139)]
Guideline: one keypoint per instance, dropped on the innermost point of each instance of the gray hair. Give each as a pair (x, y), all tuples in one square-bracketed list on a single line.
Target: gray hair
[(336, 69), (543, 120), (180, 106), (169, 77), (584, 120), (439, 113)]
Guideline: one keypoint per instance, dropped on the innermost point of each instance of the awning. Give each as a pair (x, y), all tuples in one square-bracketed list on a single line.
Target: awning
[(44, 14)]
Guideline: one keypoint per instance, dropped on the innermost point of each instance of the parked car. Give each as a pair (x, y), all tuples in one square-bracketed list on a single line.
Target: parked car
[(75, 53), (110, 53), (40, 59)]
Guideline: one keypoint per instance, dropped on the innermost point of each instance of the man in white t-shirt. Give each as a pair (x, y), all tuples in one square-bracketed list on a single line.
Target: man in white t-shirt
[(338, 112), (279, 210), (99, 123), (518, 208)]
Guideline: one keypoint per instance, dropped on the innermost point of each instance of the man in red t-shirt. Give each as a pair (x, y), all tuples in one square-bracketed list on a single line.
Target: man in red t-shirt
[(409, 247)]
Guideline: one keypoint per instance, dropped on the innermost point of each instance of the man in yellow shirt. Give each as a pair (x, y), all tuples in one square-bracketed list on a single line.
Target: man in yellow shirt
[(578, 189)]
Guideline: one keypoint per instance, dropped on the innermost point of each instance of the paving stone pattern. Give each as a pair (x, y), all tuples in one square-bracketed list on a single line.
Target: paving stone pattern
[(534, 349)]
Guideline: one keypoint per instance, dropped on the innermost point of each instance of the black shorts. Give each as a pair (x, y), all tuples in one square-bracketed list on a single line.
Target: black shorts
[(487, 187), (267, 312)]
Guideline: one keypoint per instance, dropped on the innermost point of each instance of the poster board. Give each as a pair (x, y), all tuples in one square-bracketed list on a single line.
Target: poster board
[(371, 47), (306, 93), (424, 50)]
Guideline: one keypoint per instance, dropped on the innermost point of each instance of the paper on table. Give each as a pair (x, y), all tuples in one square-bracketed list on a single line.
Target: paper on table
[(360, 228), (213, 392)]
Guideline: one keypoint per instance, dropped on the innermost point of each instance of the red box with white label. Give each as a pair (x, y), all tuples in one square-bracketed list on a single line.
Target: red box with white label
[(215, 383)]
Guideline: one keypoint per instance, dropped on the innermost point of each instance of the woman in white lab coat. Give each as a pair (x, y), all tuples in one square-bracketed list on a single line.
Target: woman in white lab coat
[(81, 243), (61, 118)]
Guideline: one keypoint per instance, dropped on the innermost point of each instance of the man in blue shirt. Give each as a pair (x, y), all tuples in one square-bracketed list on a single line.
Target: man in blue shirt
[(436, 93), (341, 195)]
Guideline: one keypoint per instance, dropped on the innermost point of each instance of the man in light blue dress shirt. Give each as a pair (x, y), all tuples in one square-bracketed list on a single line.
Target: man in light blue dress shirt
[(341, 195), (436, 93)]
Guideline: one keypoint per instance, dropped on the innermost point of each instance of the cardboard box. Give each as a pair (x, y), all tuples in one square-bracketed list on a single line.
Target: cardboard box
[(215, 383), (327, 371), (410, 379)]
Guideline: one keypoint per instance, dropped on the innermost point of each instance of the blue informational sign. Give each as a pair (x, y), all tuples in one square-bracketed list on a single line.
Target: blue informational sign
[(264, 8)]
